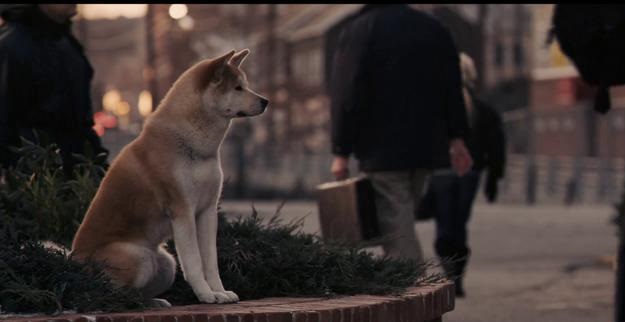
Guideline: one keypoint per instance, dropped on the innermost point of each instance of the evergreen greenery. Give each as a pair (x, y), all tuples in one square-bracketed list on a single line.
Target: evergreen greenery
[(256, 258)]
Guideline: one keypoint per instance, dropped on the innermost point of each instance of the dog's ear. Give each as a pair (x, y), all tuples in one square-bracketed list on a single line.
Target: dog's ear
[(220, 65), (237, 59), (212, 71)]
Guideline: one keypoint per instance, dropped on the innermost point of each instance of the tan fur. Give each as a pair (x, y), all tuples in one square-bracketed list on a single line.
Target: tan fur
[(166, 183)]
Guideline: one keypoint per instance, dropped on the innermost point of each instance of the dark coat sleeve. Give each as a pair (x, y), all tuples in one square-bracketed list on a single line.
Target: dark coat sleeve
[(454, 108), (495, 142), (4, 107), (13, 98), (347, 80)]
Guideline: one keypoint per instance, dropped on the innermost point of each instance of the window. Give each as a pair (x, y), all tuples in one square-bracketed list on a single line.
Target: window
[(499, 54), (518, 54)]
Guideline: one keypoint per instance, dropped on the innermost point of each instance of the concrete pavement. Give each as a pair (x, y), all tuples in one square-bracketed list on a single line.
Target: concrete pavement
[(537, 263)]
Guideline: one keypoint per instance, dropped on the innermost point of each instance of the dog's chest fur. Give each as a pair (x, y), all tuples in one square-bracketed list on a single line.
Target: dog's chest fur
[(198, 167)]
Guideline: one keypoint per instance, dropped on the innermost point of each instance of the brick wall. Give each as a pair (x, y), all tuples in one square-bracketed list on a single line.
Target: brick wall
[(419, 304)]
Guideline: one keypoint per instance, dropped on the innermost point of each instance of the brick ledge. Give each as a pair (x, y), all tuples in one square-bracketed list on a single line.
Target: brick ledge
[(417, 304)]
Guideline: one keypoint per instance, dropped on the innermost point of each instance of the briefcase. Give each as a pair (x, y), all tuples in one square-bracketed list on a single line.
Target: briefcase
[(347, 210)]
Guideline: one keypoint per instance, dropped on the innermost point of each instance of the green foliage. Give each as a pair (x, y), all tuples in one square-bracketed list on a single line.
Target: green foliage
[(37, 279), (37, 200), (258, 259)]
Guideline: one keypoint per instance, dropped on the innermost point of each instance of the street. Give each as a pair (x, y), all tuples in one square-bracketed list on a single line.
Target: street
[(542, 263)]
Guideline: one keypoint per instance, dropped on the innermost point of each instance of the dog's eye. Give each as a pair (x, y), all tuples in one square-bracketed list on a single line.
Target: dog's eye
[(239, 88)]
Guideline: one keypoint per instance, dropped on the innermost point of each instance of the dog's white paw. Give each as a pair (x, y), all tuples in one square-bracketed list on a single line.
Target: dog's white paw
[(207, 297), (226, 297), (233, 296), (159, 303)]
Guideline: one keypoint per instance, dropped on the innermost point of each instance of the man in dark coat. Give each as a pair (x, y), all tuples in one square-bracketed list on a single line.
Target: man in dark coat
[(396, 76), (451, 197), (45, 82)]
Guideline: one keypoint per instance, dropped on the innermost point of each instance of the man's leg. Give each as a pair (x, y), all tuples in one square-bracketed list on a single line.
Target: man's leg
[(394, 198)]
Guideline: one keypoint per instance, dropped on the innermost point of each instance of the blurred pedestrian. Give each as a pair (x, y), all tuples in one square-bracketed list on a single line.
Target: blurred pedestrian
[(452, 196), (45, 81), (396, 77)]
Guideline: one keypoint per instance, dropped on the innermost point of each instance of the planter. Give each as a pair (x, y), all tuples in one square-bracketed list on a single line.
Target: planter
[(417, 304)]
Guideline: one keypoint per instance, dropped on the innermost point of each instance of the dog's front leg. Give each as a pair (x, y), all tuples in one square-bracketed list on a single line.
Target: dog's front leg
[(207, 227), (185, 238)]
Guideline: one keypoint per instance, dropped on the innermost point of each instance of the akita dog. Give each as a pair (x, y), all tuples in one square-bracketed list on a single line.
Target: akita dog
[(167, 183)]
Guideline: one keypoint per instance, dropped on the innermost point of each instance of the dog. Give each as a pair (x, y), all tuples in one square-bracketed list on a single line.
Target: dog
[(166, 183)]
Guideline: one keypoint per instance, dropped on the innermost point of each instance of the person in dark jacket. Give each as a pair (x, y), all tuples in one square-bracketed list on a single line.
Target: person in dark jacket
[(395, 76), (452, 196), (45, 82)]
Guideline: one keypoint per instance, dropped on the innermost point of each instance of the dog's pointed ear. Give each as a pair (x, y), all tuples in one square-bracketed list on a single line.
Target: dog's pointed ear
[(220, 64), (237, 59), (212, 70)]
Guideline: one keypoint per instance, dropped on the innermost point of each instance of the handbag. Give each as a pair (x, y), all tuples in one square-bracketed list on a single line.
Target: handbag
[(347, 210)]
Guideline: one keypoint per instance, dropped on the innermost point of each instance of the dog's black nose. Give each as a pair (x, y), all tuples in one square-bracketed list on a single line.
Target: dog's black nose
[(264, 103)]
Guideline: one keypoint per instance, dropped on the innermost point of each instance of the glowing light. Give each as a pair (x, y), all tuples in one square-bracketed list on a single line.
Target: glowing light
[(112, 11), (122, 108), (145, 103), (186, 23), (110, 100), (178, 11)]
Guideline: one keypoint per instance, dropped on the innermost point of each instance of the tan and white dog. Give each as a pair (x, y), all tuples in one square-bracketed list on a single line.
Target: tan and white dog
[(167, 183)]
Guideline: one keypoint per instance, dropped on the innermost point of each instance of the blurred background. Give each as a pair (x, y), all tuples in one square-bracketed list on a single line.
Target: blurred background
[(559, 151)]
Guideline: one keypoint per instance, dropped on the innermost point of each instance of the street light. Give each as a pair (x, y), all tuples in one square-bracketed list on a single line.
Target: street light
[(145, 103), (178, 11)]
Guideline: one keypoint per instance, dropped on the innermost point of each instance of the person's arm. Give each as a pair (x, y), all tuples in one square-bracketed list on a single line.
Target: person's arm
[(454, 109), (496, 155), (349, 64)]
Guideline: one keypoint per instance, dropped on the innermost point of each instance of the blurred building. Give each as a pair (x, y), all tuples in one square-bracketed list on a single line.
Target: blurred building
[(545, 105), (563, 121)]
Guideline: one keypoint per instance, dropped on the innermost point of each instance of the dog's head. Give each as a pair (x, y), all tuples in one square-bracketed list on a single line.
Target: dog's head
[(224, 87)]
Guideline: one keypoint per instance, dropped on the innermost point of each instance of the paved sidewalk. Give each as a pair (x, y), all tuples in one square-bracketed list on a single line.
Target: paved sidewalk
[(538, 263)]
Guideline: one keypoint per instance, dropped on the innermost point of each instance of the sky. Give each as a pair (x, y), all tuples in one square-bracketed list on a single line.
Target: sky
[(112, 11)]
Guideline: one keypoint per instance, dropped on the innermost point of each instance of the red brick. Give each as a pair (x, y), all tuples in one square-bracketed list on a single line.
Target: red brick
[(428, 302), (412, 306), (347, 315), (103, 319), (280, 317), (325, 314), (233, 318), (365, 313), (152, 318), (260, 317), (396, 310), (416, 304), (170, 317), (81, 319), (202, 317), (300, 317), (123, 318), (438, 302), (185, 318), (313, 316), (247, 317), (217, 318)]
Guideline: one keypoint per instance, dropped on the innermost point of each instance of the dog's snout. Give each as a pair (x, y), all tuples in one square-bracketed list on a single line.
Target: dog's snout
[(264, 102)]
